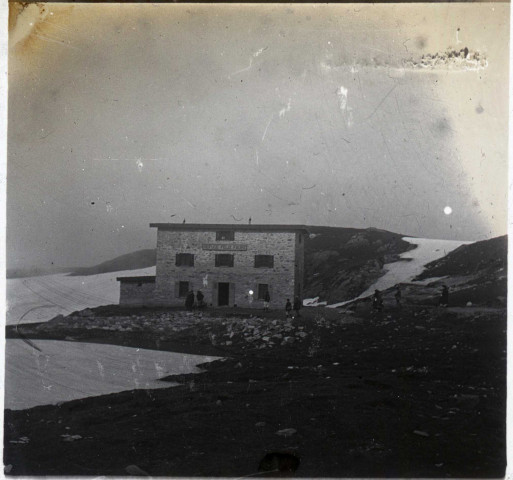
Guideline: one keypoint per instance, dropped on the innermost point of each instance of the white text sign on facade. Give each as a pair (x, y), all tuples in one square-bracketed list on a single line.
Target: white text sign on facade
[(225, 247)]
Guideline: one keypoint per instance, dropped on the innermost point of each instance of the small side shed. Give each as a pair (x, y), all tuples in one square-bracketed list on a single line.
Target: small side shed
[(136, 290)]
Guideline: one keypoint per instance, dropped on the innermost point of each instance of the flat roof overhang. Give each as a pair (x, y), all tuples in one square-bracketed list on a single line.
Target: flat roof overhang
[(145, 279), (208, 227)]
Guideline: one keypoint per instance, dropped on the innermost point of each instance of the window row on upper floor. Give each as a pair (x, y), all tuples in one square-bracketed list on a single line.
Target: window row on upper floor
[(224, 260)]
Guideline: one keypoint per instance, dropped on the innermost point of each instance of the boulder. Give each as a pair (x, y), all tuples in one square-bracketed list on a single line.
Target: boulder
[(286, 432)]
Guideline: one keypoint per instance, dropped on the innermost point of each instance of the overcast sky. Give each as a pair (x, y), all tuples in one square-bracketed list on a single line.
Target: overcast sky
[(122, 115)]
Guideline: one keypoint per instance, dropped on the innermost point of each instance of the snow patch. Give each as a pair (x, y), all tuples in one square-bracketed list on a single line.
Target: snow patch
[(313, 302), (61, 294), (67, 371)]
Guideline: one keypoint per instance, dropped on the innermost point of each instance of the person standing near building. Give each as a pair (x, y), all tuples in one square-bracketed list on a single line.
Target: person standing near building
[(189, 300), (377, 301), (267, 300), (199, 298), (444, 298), (288, 308), (397, 296), (297, 306)]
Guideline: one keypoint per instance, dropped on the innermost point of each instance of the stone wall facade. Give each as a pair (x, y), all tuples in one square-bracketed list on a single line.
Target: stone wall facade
[(230, 285), (134, 291)]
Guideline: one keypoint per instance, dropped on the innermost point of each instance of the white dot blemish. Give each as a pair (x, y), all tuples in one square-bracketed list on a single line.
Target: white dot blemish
[(447, 210)]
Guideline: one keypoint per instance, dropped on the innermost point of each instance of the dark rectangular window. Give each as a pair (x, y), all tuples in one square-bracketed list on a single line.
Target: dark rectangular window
[(185, 260), (183, 289), (224, 260), (225, 235), (264, 261), (263, 288)]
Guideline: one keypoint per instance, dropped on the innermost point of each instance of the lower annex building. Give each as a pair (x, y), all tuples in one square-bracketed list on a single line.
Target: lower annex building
[(232, 265)]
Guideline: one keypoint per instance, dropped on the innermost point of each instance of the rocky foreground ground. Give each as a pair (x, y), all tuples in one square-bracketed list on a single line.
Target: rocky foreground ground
[(416, 392)]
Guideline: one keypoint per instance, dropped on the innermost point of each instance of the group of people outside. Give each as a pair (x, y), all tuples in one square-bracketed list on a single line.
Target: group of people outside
[(192, 301), (198, 301), (377, 298)]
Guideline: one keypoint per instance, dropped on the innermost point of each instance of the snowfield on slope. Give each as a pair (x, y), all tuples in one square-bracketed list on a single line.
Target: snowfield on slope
[(428, 250), (64, 371), (50, 295)]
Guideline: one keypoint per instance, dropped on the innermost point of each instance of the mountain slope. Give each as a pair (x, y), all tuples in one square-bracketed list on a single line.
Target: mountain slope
[(341, 263), (487, 255), (130, 261), (476, 274)]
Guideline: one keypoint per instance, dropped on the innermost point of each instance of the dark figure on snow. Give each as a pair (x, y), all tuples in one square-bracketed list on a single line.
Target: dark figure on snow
[(199, 298), (297, 306), (288, 308), (397, 296), (444, 298), (267, 299), (189, 300), (377, 301)]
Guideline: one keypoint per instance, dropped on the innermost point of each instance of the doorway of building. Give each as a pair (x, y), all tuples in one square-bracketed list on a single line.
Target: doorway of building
[(223, 294)]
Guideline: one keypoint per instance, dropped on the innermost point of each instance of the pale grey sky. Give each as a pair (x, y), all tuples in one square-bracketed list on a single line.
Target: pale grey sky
[(122, 115)]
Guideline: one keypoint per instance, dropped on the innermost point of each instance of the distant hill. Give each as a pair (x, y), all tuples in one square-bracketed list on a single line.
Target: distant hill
[(130, 261)]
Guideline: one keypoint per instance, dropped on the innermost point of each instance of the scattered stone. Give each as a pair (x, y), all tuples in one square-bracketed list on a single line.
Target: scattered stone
[(286, 432), (469, 304), (421, 433), (71, 438), (21, 440), (135, 470)]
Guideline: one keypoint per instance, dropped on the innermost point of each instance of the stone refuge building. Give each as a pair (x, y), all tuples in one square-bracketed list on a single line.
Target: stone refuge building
[(230, 264)]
